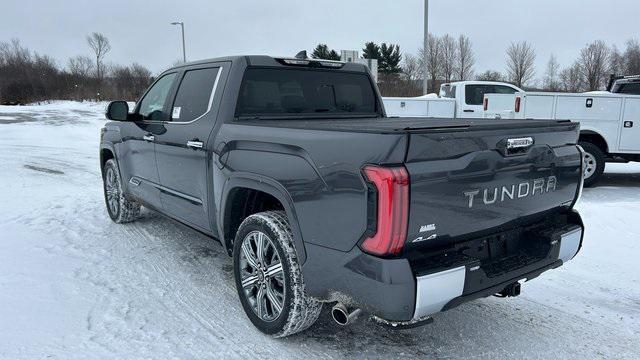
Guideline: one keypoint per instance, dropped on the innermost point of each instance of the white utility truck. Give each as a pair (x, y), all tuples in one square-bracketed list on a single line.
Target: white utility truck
[(461, 99), (609, 122)]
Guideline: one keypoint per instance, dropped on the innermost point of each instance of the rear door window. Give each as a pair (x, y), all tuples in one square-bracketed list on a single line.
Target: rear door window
[(193, 98), (475, 93), (274, 92)]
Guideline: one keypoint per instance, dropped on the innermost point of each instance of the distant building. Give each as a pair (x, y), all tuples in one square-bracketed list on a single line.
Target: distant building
[(354, 56)]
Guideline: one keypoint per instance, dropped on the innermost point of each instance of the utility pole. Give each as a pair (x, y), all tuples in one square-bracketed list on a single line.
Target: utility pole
[(425, 85), (184, 52)]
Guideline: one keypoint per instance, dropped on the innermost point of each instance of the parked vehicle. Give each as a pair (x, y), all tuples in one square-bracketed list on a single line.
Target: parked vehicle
[(624, 85), (320, 198), (461, 99), (610, 123)]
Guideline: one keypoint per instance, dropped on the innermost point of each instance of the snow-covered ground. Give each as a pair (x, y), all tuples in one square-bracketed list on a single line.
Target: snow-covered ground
[(74, 285)]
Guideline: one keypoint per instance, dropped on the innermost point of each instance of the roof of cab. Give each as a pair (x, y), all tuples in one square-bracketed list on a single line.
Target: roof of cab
[(264, 60)]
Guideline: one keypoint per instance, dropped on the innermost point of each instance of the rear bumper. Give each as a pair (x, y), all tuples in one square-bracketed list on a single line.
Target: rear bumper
[(404, 290)]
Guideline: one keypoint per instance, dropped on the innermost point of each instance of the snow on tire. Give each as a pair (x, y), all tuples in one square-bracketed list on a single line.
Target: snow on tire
[(273, 270), (121, 210)]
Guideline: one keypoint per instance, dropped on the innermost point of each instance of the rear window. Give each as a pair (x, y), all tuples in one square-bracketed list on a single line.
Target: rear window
[(288, 92), (630, 88), (448, 91)]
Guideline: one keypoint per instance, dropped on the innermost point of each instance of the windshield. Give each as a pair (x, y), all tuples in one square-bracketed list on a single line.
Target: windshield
[(268, 92)]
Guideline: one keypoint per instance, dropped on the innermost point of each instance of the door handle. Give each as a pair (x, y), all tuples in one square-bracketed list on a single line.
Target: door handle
[(195, 144), (469, 110), (628, 124), (149, 138)]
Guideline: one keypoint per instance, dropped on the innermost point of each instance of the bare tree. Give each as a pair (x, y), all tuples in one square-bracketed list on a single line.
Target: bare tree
[(449, 56), (490, 75), (571, 79), (520, 63), (80, 66), (465, 59), (632, 57), (617, 64), (593, 62), (100, 46), (551, 81), (433, 57)]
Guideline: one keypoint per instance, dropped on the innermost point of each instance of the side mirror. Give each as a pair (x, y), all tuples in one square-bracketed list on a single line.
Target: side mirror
[(118, 111)]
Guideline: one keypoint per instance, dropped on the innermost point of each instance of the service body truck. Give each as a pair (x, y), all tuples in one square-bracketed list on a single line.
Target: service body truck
[(461, 99), (609, 122)]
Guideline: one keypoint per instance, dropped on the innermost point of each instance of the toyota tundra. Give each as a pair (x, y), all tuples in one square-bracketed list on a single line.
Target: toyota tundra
[(320, 198)]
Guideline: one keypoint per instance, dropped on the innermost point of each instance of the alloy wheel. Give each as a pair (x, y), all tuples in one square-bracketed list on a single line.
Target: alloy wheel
[(262, 274), (112, 191)]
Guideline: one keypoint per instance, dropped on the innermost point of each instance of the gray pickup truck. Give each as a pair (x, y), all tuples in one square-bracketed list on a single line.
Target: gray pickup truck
[(320, 198)]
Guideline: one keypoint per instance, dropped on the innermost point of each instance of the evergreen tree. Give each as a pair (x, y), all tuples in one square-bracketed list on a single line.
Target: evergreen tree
[(390, 59), (322, 52), (371, 51)]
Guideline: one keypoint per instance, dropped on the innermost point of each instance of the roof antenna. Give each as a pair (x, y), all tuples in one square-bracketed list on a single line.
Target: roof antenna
[(302, 55)]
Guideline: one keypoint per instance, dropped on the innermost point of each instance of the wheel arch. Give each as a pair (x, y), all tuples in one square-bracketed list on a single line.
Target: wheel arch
[(106, 153), (235, 206), (595, 138)]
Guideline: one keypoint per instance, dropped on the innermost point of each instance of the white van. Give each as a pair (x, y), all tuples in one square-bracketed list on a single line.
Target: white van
[(609, 123)]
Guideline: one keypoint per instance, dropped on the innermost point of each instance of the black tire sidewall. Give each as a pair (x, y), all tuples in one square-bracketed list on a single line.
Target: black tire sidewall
[(598, 155), (256, 224), (110, 164)]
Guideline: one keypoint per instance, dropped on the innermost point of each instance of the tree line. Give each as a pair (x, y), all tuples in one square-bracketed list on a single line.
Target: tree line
[(27, 76), (448, 58)]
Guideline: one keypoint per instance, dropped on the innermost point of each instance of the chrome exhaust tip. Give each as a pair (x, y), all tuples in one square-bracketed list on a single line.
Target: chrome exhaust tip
[(342, 316)]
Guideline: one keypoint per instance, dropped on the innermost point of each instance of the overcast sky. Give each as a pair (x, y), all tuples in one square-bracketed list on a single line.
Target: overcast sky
[(139, 31)]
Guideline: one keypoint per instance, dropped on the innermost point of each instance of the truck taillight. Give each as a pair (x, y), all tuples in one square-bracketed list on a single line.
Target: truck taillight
[(392, 210), (518, 100), (486, 104)]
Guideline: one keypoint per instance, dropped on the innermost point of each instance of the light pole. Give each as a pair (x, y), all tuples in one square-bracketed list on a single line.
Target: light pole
[(184, 53), (425, 84)]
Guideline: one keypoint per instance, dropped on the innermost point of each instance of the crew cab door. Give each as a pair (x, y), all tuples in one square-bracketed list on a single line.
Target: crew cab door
[(472, 100), (182, 152), (136, 152)]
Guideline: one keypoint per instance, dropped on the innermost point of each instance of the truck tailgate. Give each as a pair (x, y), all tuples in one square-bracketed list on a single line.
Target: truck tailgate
[(468, 183)]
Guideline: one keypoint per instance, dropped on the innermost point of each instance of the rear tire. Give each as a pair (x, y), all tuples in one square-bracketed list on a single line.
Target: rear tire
[(269, 282), (121, 210), (594, 163)]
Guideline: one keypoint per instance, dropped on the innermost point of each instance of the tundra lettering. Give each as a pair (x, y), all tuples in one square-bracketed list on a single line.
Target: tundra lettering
[(490, 196), (321, 199)]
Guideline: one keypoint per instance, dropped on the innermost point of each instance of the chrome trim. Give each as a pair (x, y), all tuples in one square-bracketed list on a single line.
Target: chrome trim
[(169, 191), (569, 244), (195, 144), (434, 291), (583, 158), (211, 98), (519, 143)]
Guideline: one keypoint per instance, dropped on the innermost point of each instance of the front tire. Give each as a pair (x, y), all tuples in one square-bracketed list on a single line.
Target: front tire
[(121, 210), (269, 278), (594, 163)]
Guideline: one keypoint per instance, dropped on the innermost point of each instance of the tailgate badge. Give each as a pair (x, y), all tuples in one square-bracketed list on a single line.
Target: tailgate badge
[(425, 228), (422, 238)]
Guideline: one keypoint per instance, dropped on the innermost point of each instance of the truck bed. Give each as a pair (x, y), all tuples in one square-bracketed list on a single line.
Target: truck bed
[(403, 125)]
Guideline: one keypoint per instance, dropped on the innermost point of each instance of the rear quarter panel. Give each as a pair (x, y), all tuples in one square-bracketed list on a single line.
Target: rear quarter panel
[(320, 170)]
